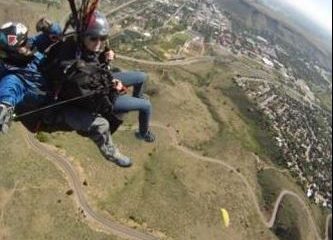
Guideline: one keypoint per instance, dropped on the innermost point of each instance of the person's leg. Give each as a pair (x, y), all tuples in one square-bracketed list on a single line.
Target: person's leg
[(126, 103), (135, 79), (12, 92), (34, 96), (98, 129)]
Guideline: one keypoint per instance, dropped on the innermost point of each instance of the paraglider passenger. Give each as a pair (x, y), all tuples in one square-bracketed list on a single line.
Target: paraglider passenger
[(20, 77), (49, 34), (74, 67)]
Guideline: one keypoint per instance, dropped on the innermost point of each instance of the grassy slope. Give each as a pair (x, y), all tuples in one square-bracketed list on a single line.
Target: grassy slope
[(272, 183), (165, 190), (33, 200), (292, 224), (156, 192), (29, 12)]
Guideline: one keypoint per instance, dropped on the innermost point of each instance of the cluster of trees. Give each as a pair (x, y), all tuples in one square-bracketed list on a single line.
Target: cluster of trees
[(206, 31)]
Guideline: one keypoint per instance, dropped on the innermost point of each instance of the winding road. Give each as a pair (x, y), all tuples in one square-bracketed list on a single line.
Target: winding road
[(128, 233), (74, 181), (186, 61)]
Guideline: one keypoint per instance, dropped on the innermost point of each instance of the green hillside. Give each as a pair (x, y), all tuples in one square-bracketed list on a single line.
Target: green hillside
[(33, 200), (170, 192)]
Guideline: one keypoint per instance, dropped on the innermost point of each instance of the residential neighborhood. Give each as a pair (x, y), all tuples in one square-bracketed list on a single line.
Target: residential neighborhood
[(302, 132), (167, 30)]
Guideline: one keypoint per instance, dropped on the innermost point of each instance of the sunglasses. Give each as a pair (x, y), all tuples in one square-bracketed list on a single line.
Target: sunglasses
[(97, 38)]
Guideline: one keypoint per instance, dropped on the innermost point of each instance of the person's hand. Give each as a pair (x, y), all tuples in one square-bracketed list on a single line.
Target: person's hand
[(26, 51), (110, 55), (118, 85)]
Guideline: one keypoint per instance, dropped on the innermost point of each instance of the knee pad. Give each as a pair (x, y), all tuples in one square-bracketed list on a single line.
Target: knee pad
[(101, 125)]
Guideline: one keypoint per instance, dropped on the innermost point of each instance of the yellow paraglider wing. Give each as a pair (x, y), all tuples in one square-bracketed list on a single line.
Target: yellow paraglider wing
[(225, 217)]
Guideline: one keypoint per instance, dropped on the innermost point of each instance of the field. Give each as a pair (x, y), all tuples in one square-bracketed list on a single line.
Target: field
[(33, 200), (170, 193), (174, 195)]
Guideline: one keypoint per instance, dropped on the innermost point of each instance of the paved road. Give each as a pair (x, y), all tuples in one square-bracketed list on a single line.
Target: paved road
[(187, 61), (282, 195), (74, 181), (278, 202), (122, 231)]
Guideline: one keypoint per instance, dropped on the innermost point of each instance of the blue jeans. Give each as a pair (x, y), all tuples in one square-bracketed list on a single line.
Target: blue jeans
[(14, 91), (127, 103), (133, 79)]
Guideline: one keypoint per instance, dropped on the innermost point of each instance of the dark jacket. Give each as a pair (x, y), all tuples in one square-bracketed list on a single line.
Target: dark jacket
[(41, 42), (75, 72), (27, 68)]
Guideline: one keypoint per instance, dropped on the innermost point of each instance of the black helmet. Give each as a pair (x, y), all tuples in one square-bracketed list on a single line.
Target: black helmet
[(98, 25), (13, 35)]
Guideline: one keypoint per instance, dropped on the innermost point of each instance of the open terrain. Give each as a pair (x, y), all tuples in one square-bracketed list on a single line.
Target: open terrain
[(218, 155), (34, 201), (172, 195)]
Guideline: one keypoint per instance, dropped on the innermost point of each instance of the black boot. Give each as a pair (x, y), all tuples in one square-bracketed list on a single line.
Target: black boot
[(149, 136)]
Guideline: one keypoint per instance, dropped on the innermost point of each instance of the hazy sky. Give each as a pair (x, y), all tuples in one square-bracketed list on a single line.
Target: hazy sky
[(318, 10)]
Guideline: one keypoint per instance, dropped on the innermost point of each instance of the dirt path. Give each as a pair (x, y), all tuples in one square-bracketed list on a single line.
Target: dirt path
[(74, 181), (125, 232), (282, 195)]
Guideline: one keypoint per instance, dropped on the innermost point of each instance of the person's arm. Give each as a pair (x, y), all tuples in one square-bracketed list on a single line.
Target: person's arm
[(110, 55), (106, 57), (37, 42)]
